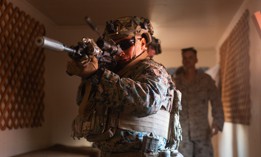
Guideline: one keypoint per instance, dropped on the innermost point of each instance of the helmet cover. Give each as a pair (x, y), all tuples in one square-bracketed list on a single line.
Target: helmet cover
[(128, 26)]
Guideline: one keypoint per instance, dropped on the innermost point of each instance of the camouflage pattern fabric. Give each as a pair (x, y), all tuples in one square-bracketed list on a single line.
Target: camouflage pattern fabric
[(145, 88), (197, 148), (194, 114), (128, 26), (175, 130)]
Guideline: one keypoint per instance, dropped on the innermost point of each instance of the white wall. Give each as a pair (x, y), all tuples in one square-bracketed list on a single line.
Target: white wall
[(61, 88), (245, 140), (60, 92), (172, 58), (22, 140)]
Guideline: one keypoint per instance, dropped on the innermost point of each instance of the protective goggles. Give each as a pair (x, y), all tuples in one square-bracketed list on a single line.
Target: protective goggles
[(126, 44)]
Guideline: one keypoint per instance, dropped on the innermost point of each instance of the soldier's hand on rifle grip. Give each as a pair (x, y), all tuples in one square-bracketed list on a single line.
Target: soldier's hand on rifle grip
[(84, 68), (73, 68)]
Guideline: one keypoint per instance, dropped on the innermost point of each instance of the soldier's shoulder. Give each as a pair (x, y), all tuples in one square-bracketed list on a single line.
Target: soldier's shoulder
[(150, 63), (205, 76)]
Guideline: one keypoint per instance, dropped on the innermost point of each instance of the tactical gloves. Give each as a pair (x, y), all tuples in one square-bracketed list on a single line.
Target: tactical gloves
[(83, 68)]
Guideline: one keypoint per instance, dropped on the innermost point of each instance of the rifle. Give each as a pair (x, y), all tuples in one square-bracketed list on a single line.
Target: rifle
[(103, 50), (84, 48)]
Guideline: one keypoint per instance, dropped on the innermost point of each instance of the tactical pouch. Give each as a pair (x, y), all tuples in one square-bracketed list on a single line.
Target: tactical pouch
[(93, 127), (150, 144), (80, 126), (175, 130)]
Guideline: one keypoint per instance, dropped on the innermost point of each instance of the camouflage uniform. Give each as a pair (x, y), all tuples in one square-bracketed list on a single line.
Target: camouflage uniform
[(122, 110), (143, 90), (194, 115)]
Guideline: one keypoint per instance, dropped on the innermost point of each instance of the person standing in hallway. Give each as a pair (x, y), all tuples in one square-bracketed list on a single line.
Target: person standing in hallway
[(197, 89)]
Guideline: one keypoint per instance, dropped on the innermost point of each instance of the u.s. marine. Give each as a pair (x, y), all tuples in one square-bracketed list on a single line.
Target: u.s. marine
[(127, 110)]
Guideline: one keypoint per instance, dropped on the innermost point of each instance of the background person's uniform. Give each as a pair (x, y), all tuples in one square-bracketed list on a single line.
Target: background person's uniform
[(196, 131)]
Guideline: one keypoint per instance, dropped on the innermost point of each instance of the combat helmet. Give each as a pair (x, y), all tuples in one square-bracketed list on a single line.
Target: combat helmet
[(128, 26)]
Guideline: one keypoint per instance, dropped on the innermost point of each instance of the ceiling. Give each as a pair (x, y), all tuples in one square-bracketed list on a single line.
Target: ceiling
[(177, 23)]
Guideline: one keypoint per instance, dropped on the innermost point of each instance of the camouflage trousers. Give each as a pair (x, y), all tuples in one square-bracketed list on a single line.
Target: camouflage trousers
[(197, 148)]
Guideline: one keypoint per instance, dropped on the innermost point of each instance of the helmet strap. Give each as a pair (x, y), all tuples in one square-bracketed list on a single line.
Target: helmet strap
[(137, 38)]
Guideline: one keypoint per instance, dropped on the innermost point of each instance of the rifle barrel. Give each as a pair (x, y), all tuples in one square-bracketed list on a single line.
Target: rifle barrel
[(53, 44)]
